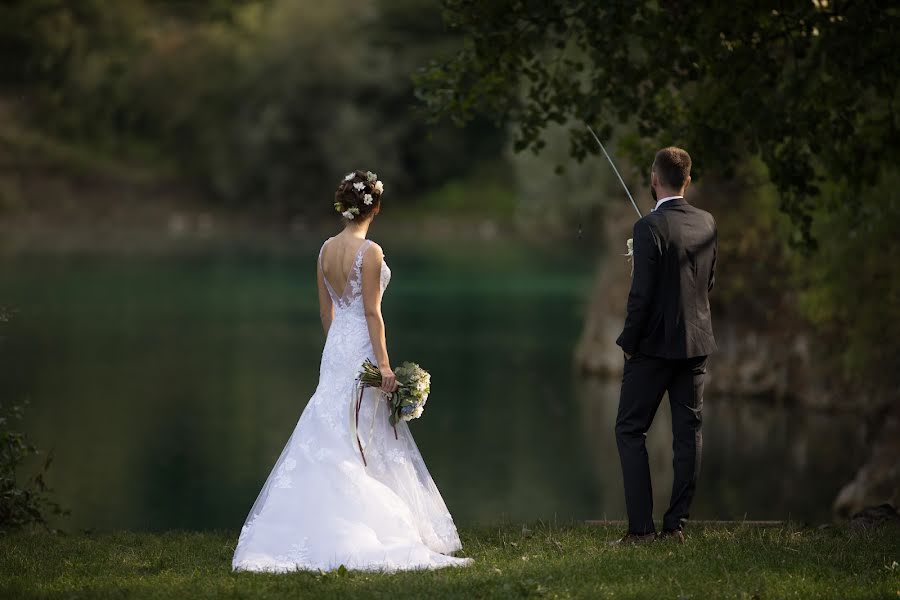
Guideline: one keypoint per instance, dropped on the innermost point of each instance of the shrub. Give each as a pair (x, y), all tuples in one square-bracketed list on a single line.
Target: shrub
[(22, 501)]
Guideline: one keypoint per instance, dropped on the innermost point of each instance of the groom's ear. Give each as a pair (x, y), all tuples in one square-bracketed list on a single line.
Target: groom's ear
[(687, 182)]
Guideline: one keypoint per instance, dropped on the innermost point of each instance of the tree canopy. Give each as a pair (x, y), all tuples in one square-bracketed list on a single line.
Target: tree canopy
[(809, 87), (258, 103)]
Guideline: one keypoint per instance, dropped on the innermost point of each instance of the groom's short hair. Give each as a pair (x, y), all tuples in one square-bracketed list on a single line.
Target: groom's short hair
[(673, 166)]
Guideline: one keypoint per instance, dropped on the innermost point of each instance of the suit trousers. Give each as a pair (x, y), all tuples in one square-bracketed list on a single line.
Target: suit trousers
[(644, 381)]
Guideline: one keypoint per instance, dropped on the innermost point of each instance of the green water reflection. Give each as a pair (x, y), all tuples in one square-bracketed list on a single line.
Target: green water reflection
[(168, 384)]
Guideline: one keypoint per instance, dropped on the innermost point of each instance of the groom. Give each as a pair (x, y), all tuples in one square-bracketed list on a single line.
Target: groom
[(667, 337)]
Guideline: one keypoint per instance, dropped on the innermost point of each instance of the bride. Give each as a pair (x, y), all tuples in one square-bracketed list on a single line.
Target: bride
[(321, 506)]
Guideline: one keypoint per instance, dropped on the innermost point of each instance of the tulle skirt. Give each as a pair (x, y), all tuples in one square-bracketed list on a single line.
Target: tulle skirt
[(321, 507)]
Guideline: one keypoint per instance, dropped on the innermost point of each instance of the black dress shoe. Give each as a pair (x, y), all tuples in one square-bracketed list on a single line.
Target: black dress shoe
[(674, 535), (635, 538)]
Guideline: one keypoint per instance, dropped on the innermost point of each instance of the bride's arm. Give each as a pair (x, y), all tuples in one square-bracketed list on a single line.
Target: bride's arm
[(371, 287), (326, 308)]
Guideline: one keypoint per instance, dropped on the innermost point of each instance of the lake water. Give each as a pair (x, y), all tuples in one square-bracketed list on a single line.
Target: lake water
[(167, 384)]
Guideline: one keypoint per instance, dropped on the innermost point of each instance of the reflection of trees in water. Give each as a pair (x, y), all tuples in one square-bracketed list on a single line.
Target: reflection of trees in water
[(782, 462), (497, 435), (599, 399), (169, 386), (759, 461)]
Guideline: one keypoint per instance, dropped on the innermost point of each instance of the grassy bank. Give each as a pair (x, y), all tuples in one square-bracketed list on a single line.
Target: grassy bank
[(511, 561)]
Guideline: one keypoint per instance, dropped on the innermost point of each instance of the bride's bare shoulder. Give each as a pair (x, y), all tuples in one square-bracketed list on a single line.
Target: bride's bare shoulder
[(374, 250)]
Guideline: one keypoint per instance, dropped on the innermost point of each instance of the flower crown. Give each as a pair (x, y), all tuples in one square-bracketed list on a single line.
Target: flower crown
[(363, 189)]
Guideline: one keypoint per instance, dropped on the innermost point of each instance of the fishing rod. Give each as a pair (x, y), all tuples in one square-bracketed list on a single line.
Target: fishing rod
[(613, 165)]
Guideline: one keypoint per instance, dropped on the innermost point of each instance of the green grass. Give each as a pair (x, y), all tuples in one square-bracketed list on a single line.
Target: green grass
[(511, 561)]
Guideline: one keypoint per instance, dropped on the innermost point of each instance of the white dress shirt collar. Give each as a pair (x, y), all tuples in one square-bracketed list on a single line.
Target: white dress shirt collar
[(666, 199)]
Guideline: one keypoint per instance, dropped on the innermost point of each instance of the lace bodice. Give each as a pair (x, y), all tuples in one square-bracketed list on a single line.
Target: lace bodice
[(351, 299)]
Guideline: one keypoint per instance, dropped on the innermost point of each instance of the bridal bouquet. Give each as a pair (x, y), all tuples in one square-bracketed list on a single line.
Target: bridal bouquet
[(413, 386), (405, 404)]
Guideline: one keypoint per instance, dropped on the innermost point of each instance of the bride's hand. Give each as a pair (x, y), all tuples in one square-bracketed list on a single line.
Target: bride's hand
[(388, 380)]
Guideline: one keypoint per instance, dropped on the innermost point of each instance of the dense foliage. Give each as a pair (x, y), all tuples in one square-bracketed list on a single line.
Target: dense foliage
[(259, 103), (810, 87), (851, 288), (807, 89), (23, 501)]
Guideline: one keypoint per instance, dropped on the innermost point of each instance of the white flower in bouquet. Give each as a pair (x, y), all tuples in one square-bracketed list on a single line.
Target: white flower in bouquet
[(411, 410)]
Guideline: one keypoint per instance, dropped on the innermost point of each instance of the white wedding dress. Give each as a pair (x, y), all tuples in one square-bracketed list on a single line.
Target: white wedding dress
[(321, 507)]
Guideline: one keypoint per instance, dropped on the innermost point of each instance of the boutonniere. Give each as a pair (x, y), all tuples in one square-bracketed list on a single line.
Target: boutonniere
[(630, 254)]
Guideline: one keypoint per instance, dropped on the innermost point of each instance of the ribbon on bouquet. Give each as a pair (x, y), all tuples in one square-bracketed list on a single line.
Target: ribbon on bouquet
[(356, 398)]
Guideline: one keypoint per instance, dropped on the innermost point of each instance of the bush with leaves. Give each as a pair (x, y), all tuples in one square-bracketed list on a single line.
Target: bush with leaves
[(257, 103), (809, 87), (22, 501)]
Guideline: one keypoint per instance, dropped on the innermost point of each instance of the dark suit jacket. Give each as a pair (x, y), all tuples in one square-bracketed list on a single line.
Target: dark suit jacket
[(674, 269)]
